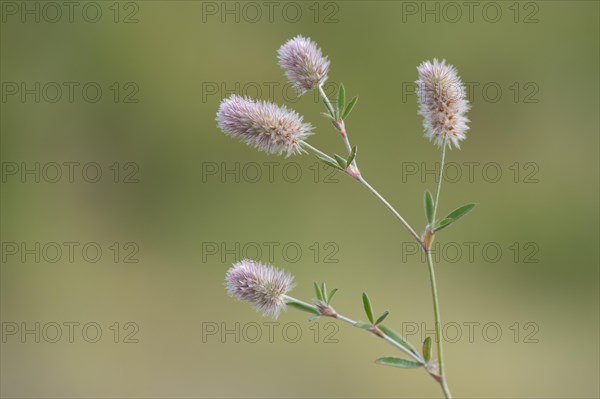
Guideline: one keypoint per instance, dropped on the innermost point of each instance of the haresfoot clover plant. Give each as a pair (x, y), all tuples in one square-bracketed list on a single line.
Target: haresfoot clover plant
[(276, 130)]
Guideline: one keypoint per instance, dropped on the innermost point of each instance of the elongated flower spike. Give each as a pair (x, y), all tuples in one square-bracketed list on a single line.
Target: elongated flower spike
[(263, 125), (304, 64), (262, 285), (442, 103)]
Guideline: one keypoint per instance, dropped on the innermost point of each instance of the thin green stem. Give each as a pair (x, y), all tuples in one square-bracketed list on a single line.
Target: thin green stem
[(317, 151), (439, 183), (338, 124), (436, 307), (438, 325), (372, 190), (434, 292), (391, 208), (385, 338), (288, 299), (326, 100)]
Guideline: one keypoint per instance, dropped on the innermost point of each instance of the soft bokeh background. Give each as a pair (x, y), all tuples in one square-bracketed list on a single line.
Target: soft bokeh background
[(184, 59)]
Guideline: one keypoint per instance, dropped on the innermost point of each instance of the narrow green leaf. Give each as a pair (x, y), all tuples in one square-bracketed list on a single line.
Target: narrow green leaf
[(324, 291), (349, 107), (341, 161), (368, 307), (427, 349), (303, 307), (328, 116), (397, 338), (341, 98), (454, 216), (351, 156), (313, 318), (363, 325), (397, 362), (331, 164), (442, 224), (331, 294), (460, 211), (428, 207), (318, 292), (382, 317)]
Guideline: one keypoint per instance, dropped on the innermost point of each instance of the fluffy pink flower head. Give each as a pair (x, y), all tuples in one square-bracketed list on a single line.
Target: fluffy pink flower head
[(263, 125), (262, 285), (304, 64), (442, 103)]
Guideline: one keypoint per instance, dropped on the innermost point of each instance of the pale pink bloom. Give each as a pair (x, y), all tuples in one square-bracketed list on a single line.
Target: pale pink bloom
[(442, 103), (304, 64), (262, 285), (263, 125)]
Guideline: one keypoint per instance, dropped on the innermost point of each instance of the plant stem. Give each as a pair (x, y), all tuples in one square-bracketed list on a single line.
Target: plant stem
[(317, 151), (338, 124), (436, 304), (391, 208), (436, 308), (439, 183), (327, 102), (438, 325), (380, 334), (292, 299)]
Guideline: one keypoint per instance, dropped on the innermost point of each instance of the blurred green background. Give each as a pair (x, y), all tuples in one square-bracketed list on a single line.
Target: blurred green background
[(163, 67)]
